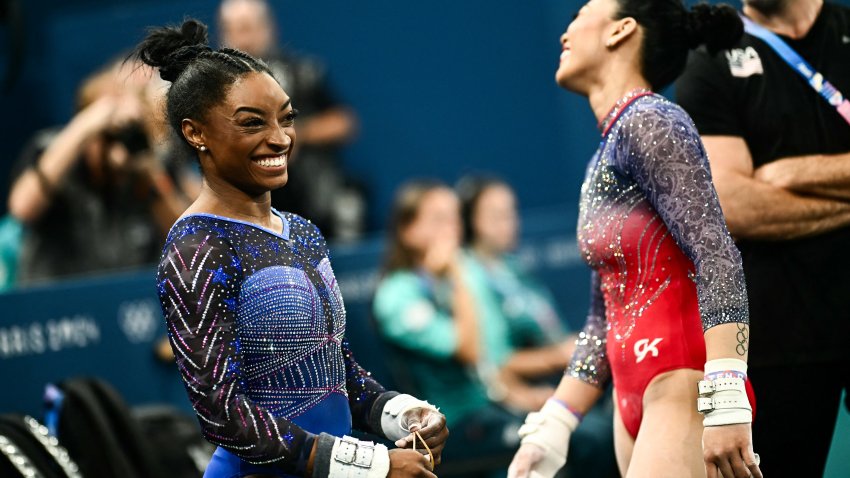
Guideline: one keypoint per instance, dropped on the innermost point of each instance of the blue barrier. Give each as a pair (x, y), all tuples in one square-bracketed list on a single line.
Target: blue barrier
[(103, 327)]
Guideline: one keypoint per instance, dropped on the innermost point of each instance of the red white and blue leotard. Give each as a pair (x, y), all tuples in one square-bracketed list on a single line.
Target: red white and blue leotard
[(665, 268)]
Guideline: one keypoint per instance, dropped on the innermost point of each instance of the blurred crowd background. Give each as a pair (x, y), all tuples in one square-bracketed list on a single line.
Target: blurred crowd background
[(439, 88), (422, 122)]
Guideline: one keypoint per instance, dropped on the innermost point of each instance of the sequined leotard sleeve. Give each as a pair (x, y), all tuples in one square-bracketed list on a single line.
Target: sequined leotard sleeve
[(236, 392), (659, 147), (589, 363)]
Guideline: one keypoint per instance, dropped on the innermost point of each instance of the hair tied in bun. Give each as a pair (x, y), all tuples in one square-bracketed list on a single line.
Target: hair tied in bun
[(172, 49)]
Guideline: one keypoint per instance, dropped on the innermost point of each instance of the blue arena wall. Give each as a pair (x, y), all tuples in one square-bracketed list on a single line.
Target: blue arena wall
[(442, 88)]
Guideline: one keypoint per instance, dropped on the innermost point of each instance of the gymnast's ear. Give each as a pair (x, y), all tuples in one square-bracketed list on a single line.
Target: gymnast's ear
[(193, 132), (622, 30)]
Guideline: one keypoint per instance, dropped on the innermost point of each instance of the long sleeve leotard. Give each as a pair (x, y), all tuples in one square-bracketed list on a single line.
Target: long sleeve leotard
[(651, 228), (257, 325)]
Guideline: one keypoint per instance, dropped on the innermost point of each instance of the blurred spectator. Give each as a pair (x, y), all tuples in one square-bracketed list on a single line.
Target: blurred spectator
[(491, 229), (317, 188), (540, 346), (424, 304), (425, 309), (449, 345), (94, 195)]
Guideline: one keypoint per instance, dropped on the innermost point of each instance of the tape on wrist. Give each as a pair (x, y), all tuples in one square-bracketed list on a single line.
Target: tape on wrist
[(393, 419), (722, 395), (550, 428), (352, 458)]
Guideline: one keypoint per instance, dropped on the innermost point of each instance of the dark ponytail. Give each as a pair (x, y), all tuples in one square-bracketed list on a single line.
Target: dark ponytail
[(200, 76), (670, 30)]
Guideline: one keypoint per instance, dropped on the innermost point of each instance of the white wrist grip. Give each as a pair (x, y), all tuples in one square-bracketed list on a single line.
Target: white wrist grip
[(549, 429), (394, 416), (723, 399), (352, 458)]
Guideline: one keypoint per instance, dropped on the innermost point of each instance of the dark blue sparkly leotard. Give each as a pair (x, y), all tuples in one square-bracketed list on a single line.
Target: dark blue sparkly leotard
[(257, 325)]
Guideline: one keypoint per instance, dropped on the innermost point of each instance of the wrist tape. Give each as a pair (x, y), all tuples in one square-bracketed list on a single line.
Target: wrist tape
[(394, 419), (549, 429), (352, 458), (722, 395)]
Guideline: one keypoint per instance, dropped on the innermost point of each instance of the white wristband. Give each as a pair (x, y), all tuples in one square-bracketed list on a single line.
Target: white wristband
[(395, 414), (725, 365), (722, 395), (352, 458), (549, 429)]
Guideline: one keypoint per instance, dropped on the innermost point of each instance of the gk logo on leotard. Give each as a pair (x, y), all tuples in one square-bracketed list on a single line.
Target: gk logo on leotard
[(644, 346)]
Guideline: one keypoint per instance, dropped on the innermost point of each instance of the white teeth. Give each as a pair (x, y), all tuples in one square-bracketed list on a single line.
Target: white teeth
[(273, 162), (565, 54)]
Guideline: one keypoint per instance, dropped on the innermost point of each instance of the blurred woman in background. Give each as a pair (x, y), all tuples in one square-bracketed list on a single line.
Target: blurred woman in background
[(426, 306), (491, 226), (541, 347), (451, 341)]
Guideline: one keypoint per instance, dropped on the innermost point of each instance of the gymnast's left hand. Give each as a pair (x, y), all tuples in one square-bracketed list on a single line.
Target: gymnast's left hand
[(728, 452), (431, 424)]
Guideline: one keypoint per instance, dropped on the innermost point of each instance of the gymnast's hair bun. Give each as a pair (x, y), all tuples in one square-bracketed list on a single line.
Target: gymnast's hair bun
[(715, 26), (172, 49)]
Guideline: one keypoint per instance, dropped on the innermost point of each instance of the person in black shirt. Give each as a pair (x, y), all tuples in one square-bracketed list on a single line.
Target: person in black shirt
[(780, 157)]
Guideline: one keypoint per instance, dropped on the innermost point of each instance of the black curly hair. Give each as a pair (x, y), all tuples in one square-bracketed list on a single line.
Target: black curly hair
[(200, 76), (670, 31)]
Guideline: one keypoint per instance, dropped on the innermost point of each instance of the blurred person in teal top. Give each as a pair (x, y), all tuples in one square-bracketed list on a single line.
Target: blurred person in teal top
[(451, 342), (443, 344), (425, 306), (491, 229), (441, 304), (538, 339)]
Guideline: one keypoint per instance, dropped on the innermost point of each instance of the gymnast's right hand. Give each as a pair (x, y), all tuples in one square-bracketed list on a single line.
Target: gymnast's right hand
[(545, 440), (406, 463)]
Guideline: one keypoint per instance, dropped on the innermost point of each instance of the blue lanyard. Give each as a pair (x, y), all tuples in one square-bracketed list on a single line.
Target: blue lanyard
[(801, 66)]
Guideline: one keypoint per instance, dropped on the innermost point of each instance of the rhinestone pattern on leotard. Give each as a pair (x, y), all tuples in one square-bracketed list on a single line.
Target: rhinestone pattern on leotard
[(651, 176), (257, 325)]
